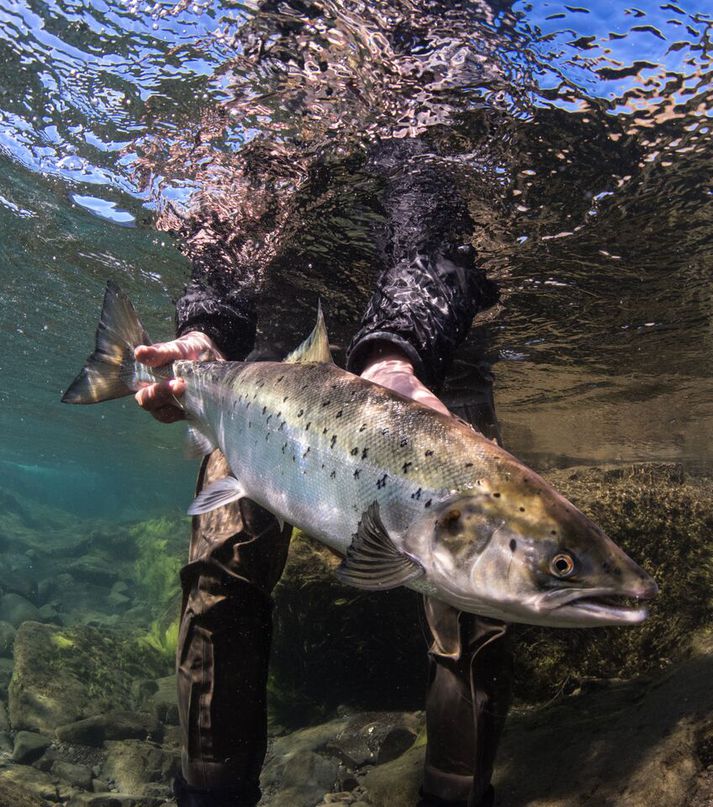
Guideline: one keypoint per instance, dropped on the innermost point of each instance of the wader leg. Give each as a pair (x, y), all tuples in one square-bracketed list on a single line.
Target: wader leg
[(470, 662), (467, 701), (236, 557)]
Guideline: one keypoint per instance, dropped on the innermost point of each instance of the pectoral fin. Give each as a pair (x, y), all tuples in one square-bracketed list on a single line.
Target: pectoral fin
[(198, 444), (373, 562), (217, 494)]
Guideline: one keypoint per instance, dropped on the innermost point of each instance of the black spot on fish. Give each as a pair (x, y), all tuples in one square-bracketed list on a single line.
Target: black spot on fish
[(306, 452), (294, 459), (356, 474), (385, 430), (309, 423), (333, 475), (428, 503), (286, 398), (282, 426), (284, 447), (267, 436), (300, 413), (247, 406), (326, 403), (513, 544), (264, 409), (469, 465), (333, 441), (406, 466), (322, 466), (403, 442), (324, 430), (268, 418), (521, 509), (496, 495), (381, 483), (355, 451), (365, 453), (553, 532), (416, 495), (250, 424), (339, 413), (362, 427), (280, 378), (429, 453), (279, 414)]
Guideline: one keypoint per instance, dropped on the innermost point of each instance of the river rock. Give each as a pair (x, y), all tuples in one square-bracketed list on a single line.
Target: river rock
[(375, 737), (7, 665), (29, 746), (300, 779), (98, 569), (15, 609), (115, 800), (32, 782), (164, 701), (134, 764), (16, 794), (77, 775), (118, 725), (7, 638), (63, 675)]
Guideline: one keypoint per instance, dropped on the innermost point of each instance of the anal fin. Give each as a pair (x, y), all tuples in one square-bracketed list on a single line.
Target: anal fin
[(373, 562), (217, 494)]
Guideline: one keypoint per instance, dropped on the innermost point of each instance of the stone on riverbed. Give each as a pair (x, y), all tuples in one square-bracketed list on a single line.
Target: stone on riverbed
[(63, 675), (135, 765), (29, 746), (119, 725)]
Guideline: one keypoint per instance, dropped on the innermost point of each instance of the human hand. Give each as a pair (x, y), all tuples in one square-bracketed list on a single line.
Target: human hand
[(161, 399), (391, 368)]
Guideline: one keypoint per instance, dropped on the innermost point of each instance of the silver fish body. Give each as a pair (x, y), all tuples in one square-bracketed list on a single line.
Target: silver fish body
[(407, 495)]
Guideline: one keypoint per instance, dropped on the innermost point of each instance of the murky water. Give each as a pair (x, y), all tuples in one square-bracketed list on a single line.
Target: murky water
[(583, 134)]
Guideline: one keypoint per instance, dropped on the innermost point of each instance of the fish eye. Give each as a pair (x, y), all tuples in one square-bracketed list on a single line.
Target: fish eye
[(562, 565)]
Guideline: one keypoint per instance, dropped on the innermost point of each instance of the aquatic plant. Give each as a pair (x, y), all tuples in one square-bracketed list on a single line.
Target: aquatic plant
[(160, 542)]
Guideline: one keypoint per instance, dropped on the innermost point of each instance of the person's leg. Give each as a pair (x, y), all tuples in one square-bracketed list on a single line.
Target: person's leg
[(466, 705), (236, 558), (470, 664)]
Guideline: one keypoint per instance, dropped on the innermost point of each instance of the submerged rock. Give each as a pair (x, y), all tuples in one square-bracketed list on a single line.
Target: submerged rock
[(15, 609), (120, 725), (77, 775), (15, 794), (374, 738), (135, 765), (29, 746), (63, 675), (7, 638)]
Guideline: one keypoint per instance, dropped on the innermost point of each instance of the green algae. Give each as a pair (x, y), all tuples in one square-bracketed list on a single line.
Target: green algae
[(160, 544)]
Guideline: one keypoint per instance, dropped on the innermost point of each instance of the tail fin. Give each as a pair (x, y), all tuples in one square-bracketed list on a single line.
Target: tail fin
[(111, 372)]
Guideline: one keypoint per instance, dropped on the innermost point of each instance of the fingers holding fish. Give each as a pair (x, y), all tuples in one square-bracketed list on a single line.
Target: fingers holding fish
[(192, 346), (161, 400)]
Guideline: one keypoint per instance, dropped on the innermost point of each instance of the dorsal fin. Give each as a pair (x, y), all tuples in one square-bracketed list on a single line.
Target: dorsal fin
[(315, 347)]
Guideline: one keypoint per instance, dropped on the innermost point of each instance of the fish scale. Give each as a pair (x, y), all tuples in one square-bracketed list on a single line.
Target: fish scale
[(306, 440)]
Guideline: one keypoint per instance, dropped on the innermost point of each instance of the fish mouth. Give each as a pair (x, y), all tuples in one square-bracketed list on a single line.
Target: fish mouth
[(603, 606)]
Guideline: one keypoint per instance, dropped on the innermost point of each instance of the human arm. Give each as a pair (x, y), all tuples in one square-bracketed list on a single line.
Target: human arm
[(430, 285)]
